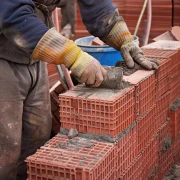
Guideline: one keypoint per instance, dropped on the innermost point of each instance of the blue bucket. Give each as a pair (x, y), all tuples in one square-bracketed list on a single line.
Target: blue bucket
[(106, 55)]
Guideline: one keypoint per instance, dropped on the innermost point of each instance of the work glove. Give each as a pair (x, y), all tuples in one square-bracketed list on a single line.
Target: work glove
[(121, 39), (57, 49)]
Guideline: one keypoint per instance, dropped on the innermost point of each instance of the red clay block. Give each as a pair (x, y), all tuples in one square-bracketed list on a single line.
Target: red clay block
[(150, 159), (162, 134), (174, 87), (144, 82), (57, 88), (75, 159), (159, 53), (51, 69), (165, 69), (145, 128), (162, 109), (165, 162), (97, 41), (173, 55), (176, 148), (176, 157), (126, 151), (175, 120), (134, 171), (98, 111), (162, 86), (164, 149)]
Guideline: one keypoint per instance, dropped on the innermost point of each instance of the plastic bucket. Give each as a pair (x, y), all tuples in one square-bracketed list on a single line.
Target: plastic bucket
[(106, 55)]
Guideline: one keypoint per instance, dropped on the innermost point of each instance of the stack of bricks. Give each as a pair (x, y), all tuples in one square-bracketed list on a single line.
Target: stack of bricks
[(161, 17), (138, 128)]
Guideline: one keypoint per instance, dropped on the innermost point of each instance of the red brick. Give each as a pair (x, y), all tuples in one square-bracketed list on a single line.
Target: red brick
[(176, 148), (165, 162), (162, 110), (97, 41), (126, 150), (165, 54), (162, 133), (98, 111), (144, 82), (174, 87), (149, 158), (145, 129), (134, 171), (164, 148), (162, 86), (175, 121), (73, 159)]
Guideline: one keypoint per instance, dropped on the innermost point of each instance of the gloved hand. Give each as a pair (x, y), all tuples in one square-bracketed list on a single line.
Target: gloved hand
[(57, 49), (121, 39), (94, 74)]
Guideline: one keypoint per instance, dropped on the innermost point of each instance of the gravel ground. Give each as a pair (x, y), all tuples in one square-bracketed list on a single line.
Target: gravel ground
[(174, 173)]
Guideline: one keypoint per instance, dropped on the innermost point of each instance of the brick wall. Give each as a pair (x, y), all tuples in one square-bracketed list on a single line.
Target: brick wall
[(142, 122)]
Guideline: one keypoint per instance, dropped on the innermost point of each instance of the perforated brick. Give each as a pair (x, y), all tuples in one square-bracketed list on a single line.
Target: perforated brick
[(162, 109), (162, 86), (149, 158), (98, 111), (74, 159), (144, 82), (134, 171), (126, 149), (165, 54), (175, 119), (164, 149), (145, 128)]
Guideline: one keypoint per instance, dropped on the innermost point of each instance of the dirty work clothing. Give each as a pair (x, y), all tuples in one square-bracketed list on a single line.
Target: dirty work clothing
[(21, 27), (68, 15), (11, 36), (25, 115)]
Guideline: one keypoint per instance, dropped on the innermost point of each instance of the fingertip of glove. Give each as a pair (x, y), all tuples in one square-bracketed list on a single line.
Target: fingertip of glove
[(155, 67)]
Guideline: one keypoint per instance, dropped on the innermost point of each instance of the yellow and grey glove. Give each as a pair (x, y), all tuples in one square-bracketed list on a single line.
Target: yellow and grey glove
[(57, 49), (121, 39)]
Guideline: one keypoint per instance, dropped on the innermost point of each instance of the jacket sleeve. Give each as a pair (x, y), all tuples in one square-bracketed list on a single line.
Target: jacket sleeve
[(99, 16), (19, 24)]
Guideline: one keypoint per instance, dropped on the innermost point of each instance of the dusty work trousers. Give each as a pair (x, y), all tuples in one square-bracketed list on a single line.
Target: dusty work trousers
[(25, 115)]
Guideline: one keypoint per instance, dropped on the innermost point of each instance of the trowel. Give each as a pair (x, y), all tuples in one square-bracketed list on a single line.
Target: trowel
[(114, 78)]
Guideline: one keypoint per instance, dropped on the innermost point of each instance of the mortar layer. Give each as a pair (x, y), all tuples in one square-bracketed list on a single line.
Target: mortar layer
[(100, 137), (127, 71)]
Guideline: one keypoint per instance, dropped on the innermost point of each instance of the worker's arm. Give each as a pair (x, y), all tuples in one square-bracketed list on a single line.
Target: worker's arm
[(19, 24), (102, 20)]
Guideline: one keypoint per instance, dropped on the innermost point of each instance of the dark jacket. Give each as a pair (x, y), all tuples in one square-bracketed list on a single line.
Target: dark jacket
[(22, 25)]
